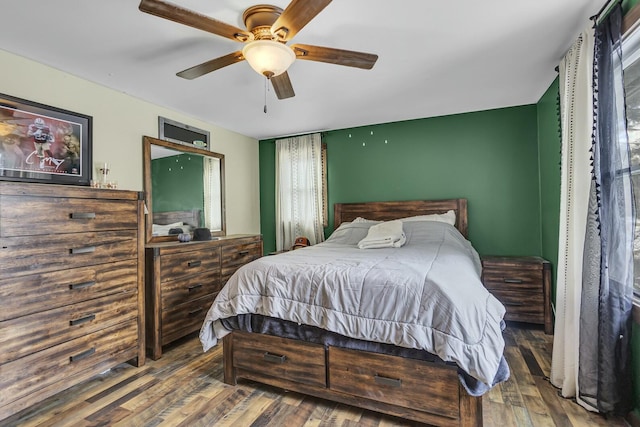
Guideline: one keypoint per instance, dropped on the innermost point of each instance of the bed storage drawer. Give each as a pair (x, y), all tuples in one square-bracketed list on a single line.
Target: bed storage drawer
[(284, 358), (394, 380)]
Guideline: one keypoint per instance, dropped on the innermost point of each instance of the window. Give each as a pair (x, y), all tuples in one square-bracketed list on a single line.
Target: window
[(300, 190), (631, 64)]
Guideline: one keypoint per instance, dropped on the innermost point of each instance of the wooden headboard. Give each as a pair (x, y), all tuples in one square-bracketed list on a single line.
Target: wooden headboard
[(385, 211), (190, 217)]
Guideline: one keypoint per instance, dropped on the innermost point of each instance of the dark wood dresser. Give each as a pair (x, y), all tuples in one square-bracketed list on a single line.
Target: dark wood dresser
[(183, 279), (523, 285), (71, 288)]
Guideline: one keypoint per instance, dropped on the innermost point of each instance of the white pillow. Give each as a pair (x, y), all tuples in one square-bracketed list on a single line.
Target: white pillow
[(449, 218), (162, 230), (360, 219), (350, 233)]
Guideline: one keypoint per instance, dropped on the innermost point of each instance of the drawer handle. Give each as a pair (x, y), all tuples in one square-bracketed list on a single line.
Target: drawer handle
[(274, 358), (391, 382), (81, 320), (194, 287), (85, 250), (81, 285), (194, 263), (195, 312), (82, 215), (82, 355), (512, 281), (243, 253)]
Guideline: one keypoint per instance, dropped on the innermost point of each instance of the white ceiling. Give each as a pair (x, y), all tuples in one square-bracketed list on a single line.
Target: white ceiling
[(435, 57)]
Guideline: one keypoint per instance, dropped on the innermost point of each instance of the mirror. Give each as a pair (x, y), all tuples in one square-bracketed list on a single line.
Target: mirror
[(184, 189)]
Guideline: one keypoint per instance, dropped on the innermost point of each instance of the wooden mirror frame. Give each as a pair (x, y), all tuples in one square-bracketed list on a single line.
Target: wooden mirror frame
[(148, 197)]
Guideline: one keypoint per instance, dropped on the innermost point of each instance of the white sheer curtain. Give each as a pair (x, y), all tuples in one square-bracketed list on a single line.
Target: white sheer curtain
[(212, 193), (298, 190), (576, 115)]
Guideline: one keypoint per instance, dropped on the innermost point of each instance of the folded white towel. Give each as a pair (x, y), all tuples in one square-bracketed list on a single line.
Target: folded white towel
[(384, 235)]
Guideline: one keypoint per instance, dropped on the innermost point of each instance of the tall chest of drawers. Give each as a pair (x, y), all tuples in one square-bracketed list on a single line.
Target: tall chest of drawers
[(183, 279), (71, 287)]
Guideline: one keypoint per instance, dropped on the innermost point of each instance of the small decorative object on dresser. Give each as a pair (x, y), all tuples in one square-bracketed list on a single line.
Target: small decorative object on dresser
[(71, 288), (523, 285)]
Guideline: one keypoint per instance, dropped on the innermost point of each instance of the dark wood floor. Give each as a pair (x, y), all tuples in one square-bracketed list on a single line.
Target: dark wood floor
[(185, 388)]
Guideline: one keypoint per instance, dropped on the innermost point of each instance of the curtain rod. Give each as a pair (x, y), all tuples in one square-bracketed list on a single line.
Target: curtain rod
[(605, 8)]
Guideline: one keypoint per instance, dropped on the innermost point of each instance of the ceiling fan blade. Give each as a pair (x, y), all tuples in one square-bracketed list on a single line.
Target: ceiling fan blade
[(193, 19), (209, 66), (282, 86), (296, 16), (348, 58)]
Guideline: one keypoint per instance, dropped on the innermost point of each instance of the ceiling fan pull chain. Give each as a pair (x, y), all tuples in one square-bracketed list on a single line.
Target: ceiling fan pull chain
[(266, 88)]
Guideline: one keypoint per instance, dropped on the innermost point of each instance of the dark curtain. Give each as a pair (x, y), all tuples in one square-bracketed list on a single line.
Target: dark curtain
[(604, 368)]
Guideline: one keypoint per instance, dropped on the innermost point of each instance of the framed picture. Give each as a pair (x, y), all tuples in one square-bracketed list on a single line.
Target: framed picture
[(39, 143)]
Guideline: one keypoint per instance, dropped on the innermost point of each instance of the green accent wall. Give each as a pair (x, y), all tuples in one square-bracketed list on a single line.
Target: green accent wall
[(267, 160), (549, 149), (177, 183), (489, 157)]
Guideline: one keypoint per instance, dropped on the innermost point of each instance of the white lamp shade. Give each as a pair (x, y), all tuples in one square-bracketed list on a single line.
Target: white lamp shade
[(268, 57)]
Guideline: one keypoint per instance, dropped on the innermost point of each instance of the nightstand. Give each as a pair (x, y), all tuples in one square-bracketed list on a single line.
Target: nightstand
[(523, 285)]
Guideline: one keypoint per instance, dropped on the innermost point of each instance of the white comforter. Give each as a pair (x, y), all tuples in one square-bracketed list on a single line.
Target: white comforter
[(425, 295)]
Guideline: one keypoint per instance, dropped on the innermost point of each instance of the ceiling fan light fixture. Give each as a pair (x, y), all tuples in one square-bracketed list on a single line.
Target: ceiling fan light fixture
[(268, 58)]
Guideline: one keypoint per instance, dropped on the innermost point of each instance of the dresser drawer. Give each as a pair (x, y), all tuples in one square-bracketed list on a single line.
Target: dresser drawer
[(33, 293), (181, 291), (238, 254), (51, 327), (37, 254), (25, 216), (512, 277), (394, 380), (525, 308), (178, 265), (284, 358), (58, 367), (521, 292), (181, 320)]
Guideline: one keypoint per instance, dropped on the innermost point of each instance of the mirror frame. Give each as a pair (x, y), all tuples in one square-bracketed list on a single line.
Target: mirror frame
[(148, 197)]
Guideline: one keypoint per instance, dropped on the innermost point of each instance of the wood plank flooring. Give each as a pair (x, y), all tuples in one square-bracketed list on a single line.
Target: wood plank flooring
[(185, 388)]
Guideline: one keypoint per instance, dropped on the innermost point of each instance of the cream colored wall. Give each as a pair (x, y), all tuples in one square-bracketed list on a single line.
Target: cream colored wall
[(120, 121)]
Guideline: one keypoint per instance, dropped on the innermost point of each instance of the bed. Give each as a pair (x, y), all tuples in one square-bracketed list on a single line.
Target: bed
[(422, 372), (185, 220)]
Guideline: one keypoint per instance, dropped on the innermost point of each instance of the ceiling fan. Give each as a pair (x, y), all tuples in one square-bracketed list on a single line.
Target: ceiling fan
[(269, 28)]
